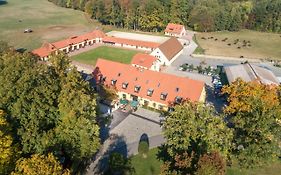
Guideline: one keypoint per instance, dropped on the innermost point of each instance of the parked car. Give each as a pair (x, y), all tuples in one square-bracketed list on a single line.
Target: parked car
[(28, 31)]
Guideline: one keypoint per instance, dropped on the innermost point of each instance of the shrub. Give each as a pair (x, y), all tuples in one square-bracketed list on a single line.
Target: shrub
[(143, 148)]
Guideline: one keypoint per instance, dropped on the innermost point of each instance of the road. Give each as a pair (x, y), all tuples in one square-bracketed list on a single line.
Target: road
[(187, 58)]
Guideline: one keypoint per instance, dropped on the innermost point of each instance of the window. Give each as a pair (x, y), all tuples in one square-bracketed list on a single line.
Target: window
[(154, 105), (119, 74), (137, 88), (124, 96), (160, 107), (178, 100), (125, 85), (150, 92), (113, 82), (146, 103), (163, 96), (177, 89), (102, 79)]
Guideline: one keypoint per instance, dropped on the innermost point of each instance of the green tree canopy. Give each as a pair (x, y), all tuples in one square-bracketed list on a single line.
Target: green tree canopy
[(39, 165), (255, 114), (191, 131)]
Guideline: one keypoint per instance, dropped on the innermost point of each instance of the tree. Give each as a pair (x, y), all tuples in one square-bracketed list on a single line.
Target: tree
[(211, 164), (191, 131), (52, 107), (77, 129), (143, 148), (202, 19), (8, 149), (255, 110), (119, 164), (3, 46), (39, 165)]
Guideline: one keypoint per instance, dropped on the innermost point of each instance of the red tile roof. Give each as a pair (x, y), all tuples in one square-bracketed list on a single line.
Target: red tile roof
[(171, 48), (173, 85), (143, 60), (174, 28), (45, 50), (130, 42)]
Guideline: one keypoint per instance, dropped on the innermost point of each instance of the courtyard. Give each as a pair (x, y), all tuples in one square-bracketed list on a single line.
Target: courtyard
[(134, 125), (110, 53)]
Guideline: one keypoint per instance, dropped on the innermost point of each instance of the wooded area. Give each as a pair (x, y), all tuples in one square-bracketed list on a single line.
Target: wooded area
[(201, 15)]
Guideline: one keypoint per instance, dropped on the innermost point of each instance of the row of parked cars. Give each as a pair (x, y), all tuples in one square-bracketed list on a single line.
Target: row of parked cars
[(217, 85)]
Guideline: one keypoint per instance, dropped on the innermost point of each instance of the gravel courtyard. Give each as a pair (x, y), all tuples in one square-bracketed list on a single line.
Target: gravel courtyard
[(137, 36), (135, 125)]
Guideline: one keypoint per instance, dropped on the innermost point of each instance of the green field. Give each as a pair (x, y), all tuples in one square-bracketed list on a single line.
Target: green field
[(148, 166), (151, 166), (262, 45), (48, 21), (109, 53)]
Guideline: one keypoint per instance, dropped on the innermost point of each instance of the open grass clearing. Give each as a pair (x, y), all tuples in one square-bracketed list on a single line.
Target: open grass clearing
[(252, 44), (105, 52), (149, 165), (48, 22)]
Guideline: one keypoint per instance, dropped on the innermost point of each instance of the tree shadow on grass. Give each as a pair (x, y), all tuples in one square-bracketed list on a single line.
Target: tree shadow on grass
[(2, 2), (117, 147)]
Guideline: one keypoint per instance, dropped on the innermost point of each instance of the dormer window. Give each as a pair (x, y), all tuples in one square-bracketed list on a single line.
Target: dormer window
[(163, 96), (178, 100), (125, 85), (102, 78), (150, 92), (113, 82), (137, 88)]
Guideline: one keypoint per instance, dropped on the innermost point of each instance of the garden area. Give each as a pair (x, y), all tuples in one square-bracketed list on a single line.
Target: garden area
[(108, 53), (245, 43)]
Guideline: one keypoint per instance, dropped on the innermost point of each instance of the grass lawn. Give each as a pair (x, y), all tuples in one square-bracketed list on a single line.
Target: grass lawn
[(109, 53), (151, 166), (48, 21), (273, 169), (147, 166), (262, 45)]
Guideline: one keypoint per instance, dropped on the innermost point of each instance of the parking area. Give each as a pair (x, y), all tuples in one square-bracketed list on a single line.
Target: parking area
[(138, 36), (132, 127)]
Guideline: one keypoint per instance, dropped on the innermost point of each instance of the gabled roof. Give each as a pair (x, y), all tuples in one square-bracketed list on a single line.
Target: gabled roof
[(138, 43), (173, 85), (78, 39), (170, 48), (174, 28), (249, 73), (44, 50), (143, 60), (47, 48)]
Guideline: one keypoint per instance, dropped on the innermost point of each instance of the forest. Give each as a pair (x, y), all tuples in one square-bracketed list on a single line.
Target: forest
[(200, 15)]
